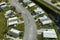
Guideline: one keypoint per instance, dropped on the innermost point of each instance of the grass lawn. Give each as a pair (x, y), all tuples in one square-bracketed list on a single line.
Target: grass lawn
[(39, 37), (20, 16), (19, 27), (2, 24)]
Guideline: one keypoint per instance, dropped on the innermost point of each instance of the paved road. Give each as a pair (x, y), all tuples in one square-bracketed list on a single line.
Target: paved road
[(49, 1), (30, 26)]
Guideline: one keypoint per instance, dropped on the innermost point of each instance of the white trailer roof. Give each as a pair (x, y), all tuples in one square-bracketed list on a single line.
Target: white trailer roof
[(31, 4), (8, 12), (13, 23), (39, 10), (15, 31), (26, 1), (49, 34), (14, 18), (45, 20), (2, 3), (3, 6)]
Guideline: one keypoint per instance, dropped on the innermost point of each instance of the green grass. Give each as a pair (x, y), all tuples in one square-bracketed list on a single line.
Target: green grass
[(39, 37), (2, 23), (20, 27), (53, 1), (19, 16)]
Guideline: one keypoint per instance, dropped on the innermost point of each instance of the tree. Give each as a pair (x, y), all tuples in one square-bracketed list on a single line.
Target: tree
[(53, 1), (20, 0), (6, 0), (13, 8)]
